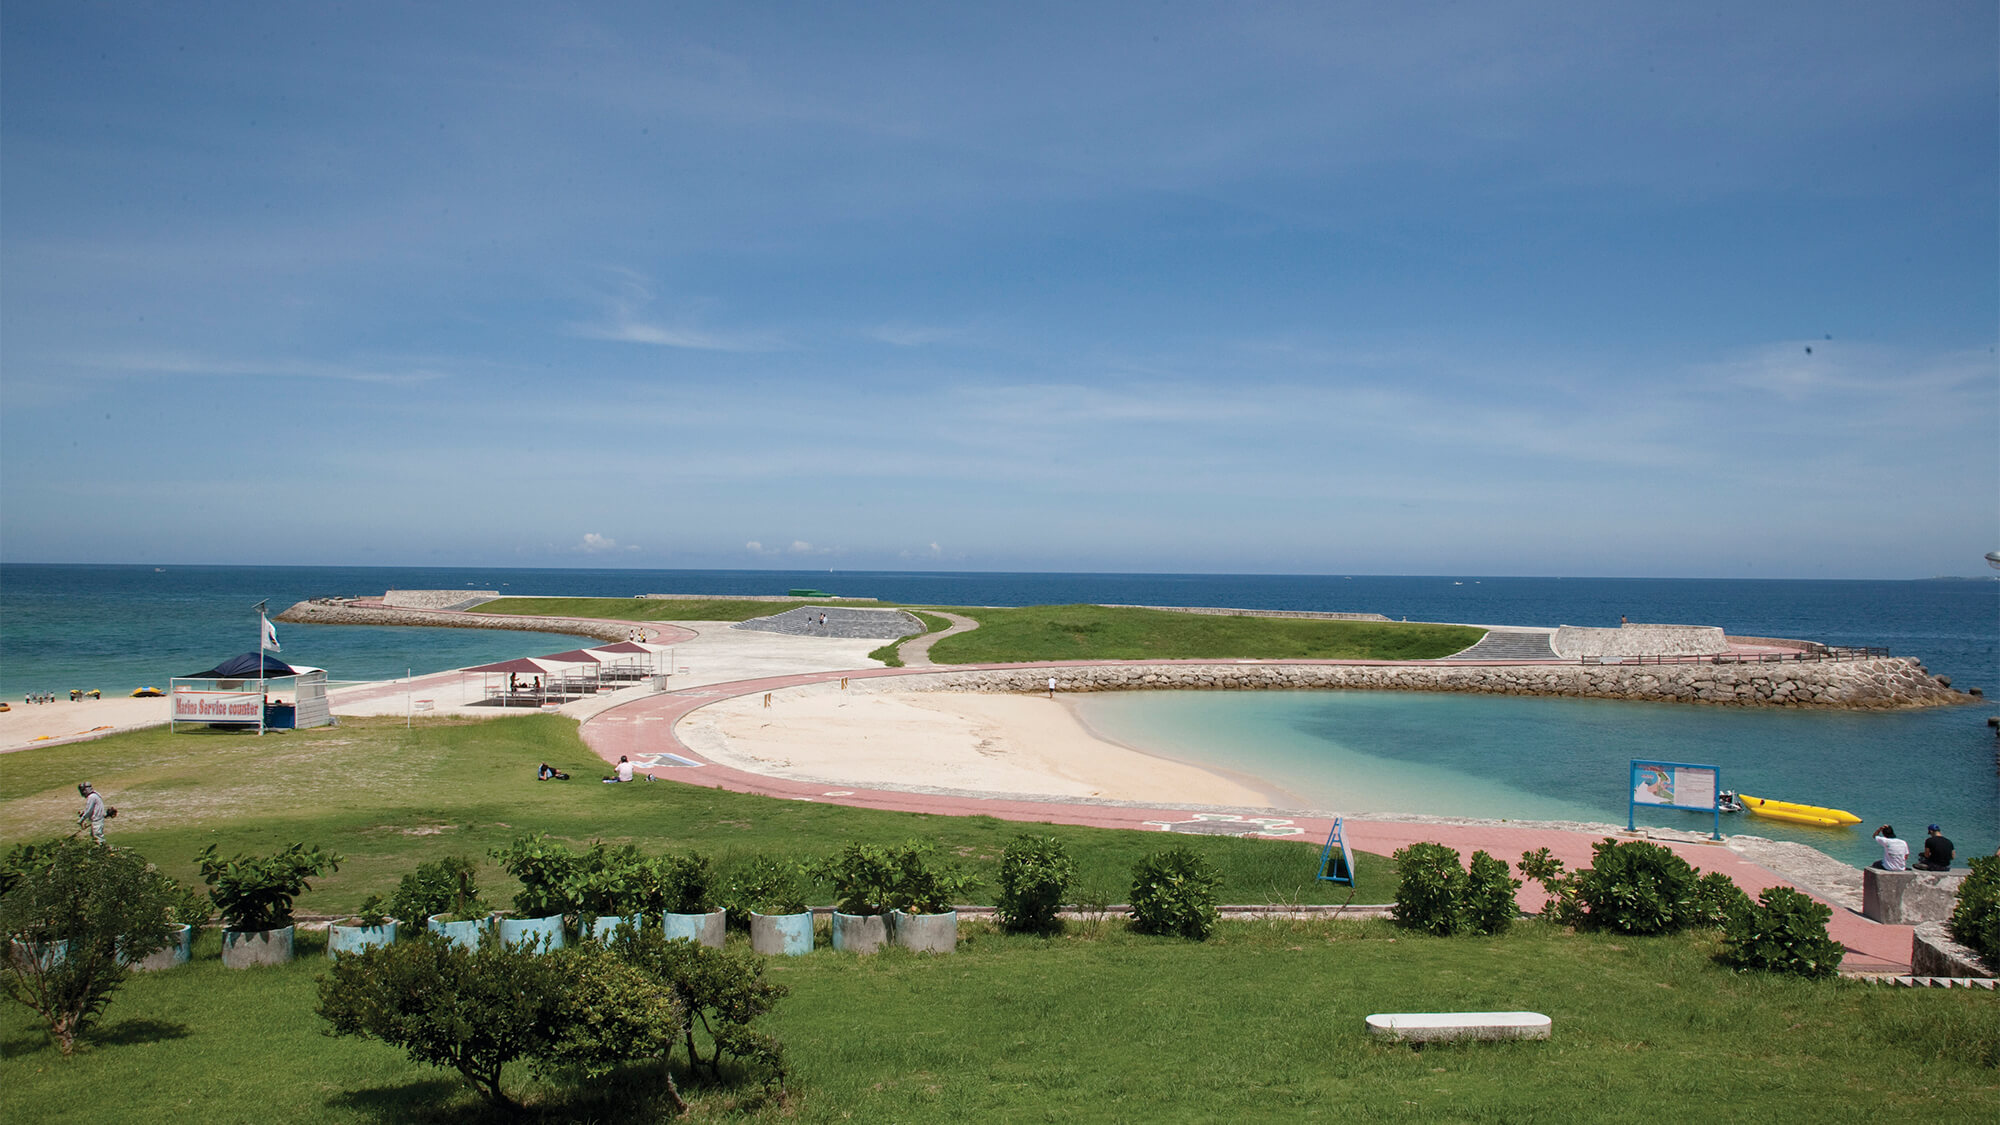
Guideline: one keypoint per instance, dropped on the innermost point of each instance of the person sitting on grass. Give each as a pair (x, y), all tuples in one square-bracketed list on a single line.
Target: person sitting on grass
[(623, 772), (550, 773)]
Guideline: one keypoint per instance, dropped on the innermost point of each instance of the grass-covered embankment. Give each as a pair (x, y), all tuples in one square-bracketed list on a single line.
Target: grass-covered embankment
[(650, 609), (1094, 632), (390, 798)]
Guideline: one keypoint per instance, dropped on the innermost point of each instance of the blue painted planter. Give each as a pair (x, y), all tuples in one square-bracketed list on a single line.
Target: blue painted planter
[(704, 928), (601, 929), (244, 949), (545, 933), (466, 934), (44, 955), (781, 935), (860, 933), (354, 939), (926, 933), (179, 951)]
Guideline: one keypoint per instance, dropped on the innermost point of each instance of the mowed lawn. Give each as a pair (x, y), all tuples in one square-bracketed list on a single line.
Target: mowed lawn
[(1262, 1022), (1095, 632)]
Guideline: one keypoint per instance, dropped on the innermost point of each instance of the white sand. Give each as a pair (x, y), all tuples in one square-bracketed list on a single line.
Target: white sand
[(30, 724), (1015, 744)]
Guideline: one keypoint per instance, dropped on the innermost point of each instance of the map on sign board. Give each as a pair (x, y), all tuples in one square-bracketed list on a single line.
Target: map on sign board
[(1673, 785)]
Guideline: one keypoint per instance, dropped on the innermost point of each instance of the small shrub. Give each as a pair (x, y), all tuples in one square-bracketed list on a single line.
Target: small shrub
[(614, 881), (1173, 892), (922, 884), (863, 878), (1488, 906), (720, 992), (546, 869), (682, 884), (608, 1012), (106, 903), (447, 886), (255, 893), (1975, 917), (1717, 899), (1544, 868), (1784, 933), (1036, 874), (1430, 890), (1636, 888), (763, 885)]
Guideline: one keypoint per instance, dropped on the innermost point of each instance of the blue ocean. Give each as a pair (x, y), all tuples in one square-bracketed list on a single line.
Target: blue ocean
[(118, 627)]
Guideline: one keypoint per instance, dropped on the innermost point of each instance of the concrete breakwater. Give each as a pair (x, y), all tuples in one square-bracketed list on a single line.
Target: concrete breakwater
[(345, 613), (1883, 683)]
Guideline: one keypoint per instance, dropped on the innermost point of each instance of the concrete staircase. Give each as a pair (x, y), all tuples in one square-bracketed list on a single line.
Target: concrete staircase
[(1502, 644)]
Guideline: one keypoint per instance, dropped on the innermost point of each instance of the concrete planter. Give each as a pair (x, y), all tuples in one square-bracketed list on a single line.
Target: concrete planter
[(545, 933), (179, 951), (860, 933), (466, 934), (926, 933), (354, 939), (44, 955), (704, 928), (243, 949), (781, 935), (602, 928)]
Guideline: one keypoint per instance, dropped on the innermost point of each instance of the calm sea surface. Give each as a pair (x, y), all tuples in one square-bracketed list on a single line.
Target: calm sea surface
[(117, 627)]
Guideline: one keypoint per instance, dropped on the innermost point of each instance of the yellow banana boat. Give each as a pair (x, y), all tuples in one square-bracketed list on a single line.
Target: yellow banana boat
[(1798, 814)]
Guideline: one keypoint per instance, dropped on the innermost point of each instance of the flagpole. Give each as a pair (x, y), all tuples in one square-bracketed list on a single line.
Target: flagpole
[(262, 696)]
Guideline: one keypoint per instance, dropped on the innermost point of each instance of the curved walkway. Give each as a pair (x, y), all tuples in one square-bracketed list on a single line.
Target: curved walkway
[(916, 653), (644, 728)]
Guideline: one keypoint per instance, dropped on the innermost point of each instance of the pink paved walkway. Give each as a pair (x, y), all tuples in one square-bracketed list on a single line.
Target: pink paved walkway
[(646, 727)]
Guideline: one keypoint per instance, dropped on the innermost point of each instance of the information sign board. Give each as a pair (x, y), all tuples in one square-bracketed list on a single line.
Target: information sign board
[(1675, 785)]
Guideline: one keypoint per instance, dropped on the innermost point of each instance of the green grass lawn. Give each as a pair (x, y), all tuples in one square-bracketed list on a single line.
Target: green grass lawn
[(1091, 632), (390, 798), (1263, 1022)]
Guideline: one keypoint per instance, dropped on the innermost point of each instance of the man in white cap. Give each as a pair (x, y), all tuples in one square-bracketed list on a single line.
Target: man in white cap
[(92, 815)]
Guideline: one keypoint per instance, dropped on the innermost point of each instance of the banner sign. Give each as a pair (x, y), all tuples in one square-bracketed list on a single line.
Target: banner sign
[(1675, 785), (218, 706)]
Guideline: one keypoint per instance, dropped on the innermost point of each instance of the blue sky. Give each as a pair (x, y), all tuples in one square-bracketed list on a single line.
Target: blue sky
[(1622, 289)]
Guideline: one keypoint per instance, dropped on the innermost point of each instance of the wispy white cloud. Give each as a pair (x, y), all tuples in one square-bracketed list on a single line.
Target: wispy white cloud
[(595, 544), (174, 363), (629, 318)]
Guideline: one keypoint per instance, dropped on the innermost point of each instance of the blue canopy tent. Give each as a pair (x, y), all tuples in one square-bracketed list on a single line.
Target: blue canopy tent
[(251, 690)]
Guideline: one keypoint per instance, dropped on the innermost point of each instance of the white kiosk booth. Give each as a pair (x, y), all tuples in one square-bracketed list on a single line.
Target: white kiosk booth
[(252, 690)]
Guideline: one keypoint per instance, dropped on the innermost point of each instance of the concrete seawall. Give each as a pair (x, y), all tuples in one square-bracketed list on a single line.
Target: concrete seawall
[(1883, 683)]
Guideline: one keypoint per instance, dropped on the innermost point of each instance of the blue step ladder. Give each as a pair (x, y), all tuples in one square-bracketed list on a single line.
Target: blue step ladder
[(1336, 863)]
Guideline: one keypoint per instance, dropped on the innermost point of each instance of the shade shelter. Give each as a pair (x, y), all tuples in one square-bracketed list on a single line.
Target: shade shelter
[(525, 682), (625, 661), (254, 690), (582, 670)]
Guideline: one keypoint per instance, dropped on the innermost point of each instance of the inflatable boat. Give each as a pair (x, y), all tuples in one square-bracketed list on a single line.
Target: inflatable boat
[(1798, 814)]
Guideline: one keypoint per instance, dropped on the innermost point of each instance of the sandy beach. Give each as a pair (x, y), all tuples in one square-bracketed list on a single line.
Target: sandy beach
[(34, 724), (1011, 744)]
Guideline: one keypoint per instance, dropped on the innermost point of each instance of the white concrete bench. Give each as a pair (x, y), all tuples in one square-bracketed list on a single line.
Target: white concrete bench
[(1439, 1027)]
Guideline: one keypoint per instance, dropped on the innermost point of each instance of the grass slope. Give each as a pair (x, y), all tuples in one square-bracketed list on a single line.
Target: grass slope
[(651, 609), (1091, 632), (390, 798)]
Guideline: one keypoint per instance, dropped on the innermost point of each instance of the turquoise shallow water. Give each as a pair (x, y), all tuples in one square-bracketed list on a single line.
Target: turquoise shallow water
[(1564, 759)]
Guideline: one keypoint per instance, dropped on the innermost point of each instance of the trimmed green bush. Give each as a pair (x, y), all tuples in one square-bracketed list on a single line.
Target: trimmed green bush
[(863, 878), (1637, 888), (547, 871), (720, 992), (763, 884), (1173, 892), (1430, 890), (1784, 933), (446, 886), (685, 884), (255, 893), (1488, 906), (1036, 874), (1975, 917)]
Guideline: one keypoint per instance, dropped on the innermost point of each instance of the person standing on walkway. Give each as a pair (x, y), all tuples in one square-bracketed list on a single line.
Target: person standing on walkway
[(1052, 687), (92, 816), (1937, 851)]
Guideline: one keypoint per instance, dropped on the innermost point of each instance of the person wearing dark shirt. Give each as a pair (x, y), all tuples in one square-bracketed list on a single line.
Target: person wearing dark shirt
[(1937, 852)]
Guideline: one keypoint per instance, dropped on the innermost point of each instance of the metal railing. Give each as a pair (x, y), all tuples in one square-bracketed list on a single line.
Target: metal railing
[(1814, 656)]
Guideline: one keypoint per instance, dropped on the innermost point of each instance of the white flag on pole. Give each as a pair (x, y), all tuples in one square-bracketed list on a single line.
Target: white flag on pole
[(270, 634)]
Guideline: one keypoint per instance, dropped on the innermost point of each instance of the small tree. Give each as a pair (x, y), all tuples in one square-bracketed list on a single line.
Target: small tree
[(255, 892), (73, 914), (609, 1012), (1173, 892), (1784, 933), (611, 882), (685, 883), (922, 884), (1036, 874), (863, 878), (1430, 888), (546, 869), (720, 992), (1975, 917), (473, 1011)]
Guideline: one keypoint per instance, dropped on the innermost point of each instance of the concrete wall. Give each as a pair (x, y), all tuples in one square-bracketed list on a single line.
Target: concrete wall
[(1573, 641), (1905, 898), (435, 599)]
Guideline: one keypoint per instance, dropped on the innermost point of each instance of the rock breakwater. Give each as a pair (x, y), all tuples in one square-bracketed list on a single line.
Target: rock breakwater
[(323, 612), (1881, 683)]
